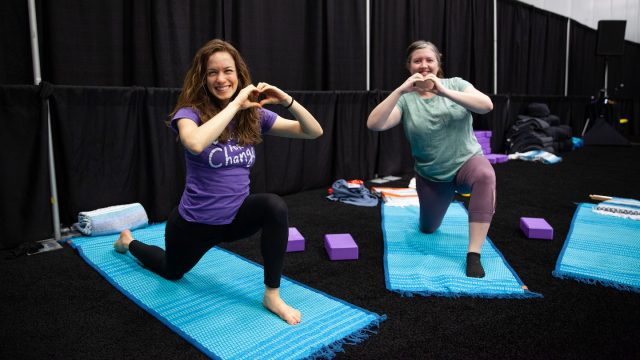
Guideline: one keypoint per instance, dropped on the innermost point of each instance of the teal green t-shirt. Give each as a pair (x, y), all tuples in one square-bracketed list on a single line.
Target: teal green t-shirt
[(439, 131)]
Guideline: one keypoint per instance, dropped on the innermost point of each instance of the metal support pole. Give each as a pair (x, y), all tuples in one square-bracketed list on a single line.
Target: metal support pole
[(37, 79), (495, 46), (566, 63), (368, 41)]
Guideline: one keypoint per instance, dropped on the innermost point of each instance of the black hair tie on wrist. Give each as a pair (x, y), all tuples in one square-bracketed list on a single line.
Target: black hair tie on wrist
[(291, 103)]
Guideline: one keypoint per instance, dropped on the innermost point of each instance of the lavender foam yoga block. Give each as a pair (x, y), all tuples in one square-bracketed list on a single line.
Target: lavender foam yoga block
[(296, 240), (340, 247), (536, 228)]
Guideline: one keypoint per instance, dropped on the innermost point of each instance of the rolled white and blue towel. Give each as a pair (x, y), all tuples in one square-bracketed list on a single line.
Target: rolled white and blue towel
[(112, 219)]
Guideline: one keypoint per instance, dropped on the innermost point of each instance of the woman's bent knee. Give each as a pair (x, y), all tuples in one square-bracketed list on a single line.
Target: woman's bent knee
[(276, 206)]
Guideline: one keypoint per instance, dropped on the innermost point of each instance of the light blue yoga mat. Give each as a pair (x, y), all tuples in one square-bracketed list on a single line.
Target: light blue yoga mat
[(601, 249), (217, 306), (434, 264)]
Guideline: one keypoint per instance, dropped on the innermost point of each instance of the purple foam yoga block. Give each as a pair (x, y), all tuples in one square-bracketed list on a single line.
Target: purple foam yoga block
[(536, 228), (340, 247), (482, 134), (497, 158), (296, 241)]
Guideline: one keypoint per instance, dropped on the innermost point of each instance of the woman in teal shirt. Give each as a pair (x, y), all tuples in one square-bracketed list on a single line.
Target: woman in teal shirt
[(436, 115)]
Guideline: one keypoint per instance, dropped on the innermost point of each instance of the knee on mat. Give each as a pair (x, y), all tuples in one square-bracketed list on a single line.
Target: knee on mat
[(175, 275), (429, 229)]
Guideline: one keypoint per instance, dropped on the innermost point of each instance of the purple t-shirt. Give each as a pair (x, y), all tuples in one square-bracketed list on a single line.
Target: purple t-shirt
[(218, 178)]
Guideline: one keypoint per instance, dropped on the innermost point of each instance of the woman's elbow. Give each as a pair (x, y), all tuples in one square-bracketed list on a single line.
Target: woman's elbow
[(487, 107), (371, 125), (193, 148), (375, 127)]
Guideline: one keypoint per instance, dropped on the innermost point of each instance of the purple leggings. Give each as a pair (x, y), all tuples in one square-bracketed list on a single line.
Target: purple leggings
[(476, 175)]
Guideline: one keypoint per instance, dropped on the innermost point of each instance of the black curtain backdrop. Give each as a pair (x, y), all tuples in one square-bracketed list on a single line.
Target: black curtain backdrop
[(293, 165), (105, 43), (469, 42), (586, 73), (25, 209), (301, 45), (531, 50), (113, 147), (15, 41), (151, 44)]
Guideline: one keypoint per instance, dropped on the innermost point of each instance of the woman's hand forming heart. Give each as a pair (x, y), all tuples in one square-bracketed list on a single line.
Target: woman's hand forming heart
[(272, 95)]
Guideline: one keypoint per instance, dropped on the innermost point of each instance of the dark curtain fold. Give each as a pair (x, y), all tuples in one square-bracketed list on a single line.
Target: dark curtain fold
[(99, 148), (546, 71), (106, 43), (586, 70), (513, 46), (531, 50), (355, 146), (469, 42), (162, 158), (292, 165), (301, 45), (25, 209), (15, 41)]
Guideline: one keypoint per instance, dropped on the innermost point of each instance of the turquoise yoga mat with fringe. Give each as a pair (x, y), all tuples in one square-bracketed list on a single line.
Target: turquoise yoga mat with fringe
[(217, 306), (601, 249), (434, 264)]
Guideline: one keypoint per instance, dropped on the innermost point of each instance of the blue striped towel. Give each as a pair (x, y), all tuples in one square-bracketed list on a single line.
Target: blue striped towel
[(434, 264), (601, 249), (217, 306), (112, 219)]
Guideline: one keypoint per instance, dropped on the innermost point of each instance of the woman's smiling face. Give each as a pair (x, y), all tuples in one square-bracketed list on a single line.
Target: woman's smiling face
[(222, 77), (424, 61)]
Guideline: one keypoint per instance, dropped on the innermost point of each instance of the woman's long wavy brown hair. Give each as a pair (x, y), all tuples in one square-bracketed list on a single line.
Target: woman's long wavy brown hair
[(196, 95)]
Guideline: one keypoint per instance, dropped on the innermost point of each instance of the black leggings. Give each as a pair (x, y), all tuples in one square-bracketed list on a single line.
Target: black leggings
[(187, 242)]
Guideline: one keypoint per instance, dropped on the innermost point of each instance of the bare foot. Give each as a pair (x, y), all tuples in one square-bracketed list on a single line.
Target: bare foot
[(276, 305), (122, 244)]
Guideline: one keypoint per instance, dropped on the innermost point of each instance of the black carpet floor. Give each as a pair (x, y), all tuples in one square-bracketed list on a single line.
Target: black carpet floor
[(54, 306)]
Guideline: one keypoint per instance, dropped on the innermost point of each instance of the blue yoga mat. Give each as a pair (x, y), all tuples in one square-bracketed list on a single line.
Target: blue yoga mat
[(434, 264), (217, 306), (601, 249)]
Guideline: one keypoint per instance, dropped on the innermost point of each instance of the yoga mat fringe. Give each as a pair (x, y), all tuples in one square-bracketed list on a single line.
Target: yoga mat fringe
[(592, 281), (527, 294), (330, 351)]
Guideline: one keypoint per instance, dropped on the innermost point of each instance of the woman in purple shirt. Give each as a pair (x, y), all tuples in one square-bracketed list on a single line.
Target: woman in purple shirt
[(219, 119)]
